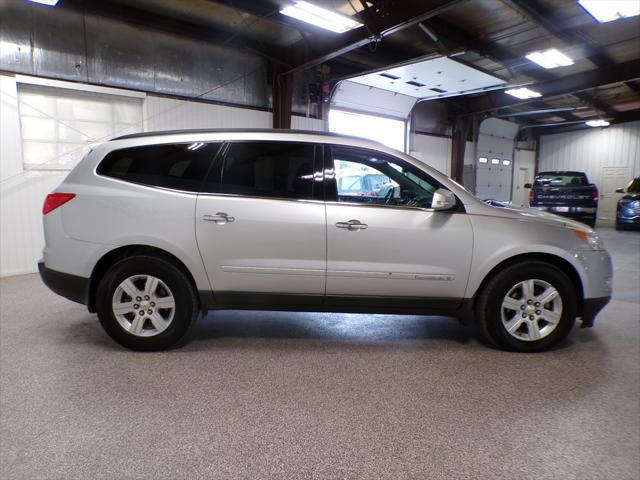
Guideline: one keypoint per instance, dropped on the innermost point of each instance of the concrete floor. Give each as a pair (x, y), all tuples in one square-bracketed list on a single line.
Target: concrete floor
[(286, 395)]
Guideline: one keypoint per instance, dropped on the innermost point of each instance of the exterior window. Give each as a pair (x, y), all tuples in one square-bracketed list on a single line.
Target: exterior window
[(506, 162), (176, 166), (482, 160), (268, 169), (495, 161), (371, 178)]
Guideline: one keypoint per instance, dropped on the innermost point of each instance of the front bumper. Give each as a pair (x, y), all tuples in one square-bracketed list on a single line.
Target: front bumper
[(627, 218), (69, 286), (590, 308)]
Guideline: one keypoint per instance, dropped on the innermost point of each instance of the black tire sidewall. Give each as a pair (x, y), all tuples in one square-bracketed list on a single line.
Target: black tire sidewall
[(180, 286), (495, 291)]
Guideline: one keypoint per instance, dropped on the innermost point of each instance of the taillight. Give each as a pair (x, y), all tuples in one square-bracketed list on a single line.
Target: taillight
[(54, 200), (532, 196), (596, 195)]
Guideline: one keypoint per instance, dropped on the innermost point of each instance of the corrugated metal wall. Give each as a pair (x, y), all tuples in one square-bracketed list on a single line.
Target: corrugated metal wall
[(589, 151), (68, 44)]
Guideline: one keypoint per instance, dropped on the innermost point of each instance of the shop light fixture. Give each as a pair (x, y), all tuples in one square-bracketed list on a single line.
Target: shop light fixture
[(50, 3), (609, 10), (598, 123), (320, 17), (522, 93), (551, 58)]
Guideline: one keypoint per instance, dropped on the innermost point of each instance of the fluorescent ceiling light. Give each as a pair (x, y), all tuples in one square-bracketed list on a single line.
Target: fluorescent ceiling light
[(51, 3), (320, 17), (609, 10), (522, 93), (551, 58), (597, 123)]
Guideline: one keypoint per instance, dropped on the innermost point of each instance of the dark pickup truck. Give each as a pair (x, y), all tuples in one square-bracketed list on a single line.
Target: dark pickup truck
[(565, 193)]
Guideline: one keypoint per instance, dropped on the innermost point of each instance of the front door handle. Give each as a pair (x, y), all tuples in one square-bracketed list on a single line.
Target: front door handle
[(352, 225), (219, 218)]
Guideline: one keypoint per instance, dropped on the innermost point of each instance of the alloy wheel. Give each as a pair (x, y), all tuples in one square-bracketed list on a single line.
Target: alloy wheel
[(531, 310), (143, 305)]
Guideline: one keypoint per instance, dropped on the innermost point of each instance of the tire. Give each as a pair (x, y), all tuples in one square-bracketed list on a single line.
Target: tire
[(543, 326), (160, 328)]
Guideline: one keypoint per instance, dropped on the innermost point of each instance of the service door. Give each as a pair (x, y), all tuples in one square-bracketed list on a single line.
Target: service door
[(258, 226), (386, 241)]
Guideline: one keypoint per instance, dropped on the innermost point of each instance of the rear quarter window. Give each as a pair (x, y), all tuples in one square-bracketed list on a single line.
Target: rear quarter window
[(180, 166), (561, 180)]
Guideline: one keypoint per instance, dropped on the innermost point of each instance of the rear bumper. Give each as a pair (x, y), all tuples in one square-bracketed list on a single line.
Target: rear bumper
[(590, 308), (66, 285)]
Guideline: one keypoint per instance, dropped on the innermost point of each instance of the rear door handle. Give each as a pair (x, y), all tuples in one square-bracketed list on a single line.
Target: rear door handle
[(219, 218), (352, 225)]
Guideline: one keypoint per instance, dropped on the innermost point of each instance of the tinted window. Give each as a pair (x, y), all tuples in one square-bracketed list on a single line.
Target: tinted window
[(368, 177), (176, 166), (634, 186), (268, 169), (553, 179)]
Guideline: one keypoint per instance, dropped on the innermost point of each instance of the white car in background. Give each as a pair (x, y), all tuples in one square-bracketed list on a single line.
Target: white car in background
[(151, 229)]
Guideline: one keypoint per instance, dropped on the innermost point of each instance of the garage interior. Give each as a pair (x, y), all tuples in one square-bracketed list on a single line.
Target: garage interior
[(318, 395)]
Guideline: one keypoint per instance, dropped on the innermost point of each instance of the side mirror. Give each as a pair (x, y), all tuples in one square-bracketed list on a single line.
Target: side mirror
[(527, 185), (443, 200), (619, 190)]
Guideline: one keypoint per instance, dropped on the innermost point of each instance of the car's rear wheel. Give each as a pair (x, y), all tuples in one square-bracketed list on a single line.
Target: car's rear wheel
[(146, 303), (528, 307)]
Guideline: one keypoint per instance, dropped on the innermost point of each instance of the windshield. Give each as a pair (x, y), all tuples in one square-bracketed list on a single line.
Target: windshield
[(634, 186), (557, 179)]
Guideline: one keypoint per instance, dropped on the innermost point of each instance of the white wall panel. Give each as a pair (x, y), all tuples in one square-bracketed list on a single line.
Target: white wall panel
[(305, 123), (21, 234), (435, 151), (589, 151), (172, 114), (10, 138)]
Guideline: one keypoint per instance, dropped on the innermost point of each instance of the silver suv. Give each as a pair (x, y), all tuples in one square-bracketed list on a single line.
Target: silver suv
[(149, 230)]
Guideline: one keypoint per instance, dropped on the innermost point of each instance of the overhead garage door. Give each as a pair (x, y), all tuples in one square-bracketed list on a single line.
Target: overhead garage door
[(58, 124)]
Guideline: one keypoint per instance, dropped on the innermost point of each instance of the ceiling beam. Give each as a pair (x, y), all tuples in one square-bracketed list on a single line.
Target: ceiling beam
[(393, 20), (562, 127), (547, 18), (569, 84)]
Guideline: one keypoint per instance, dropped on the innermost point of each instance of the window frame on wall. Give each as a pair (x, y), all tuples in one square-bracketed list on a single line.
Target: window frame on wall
[(67, 151)]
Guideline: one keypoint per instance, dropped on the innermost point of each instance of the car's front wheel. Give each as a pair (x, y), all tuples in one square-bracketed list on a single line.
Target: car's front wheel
[(146, 303), (528, 307)]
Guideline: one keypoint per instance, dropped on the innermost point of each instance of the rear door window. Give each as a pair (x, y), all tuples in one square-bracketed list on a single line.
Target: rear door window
[(266, 169), (181, 166)]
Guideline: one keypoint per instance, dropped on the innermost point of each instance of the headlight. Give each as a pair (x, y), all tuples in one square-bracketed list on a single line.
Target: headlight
[(589, 236)]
